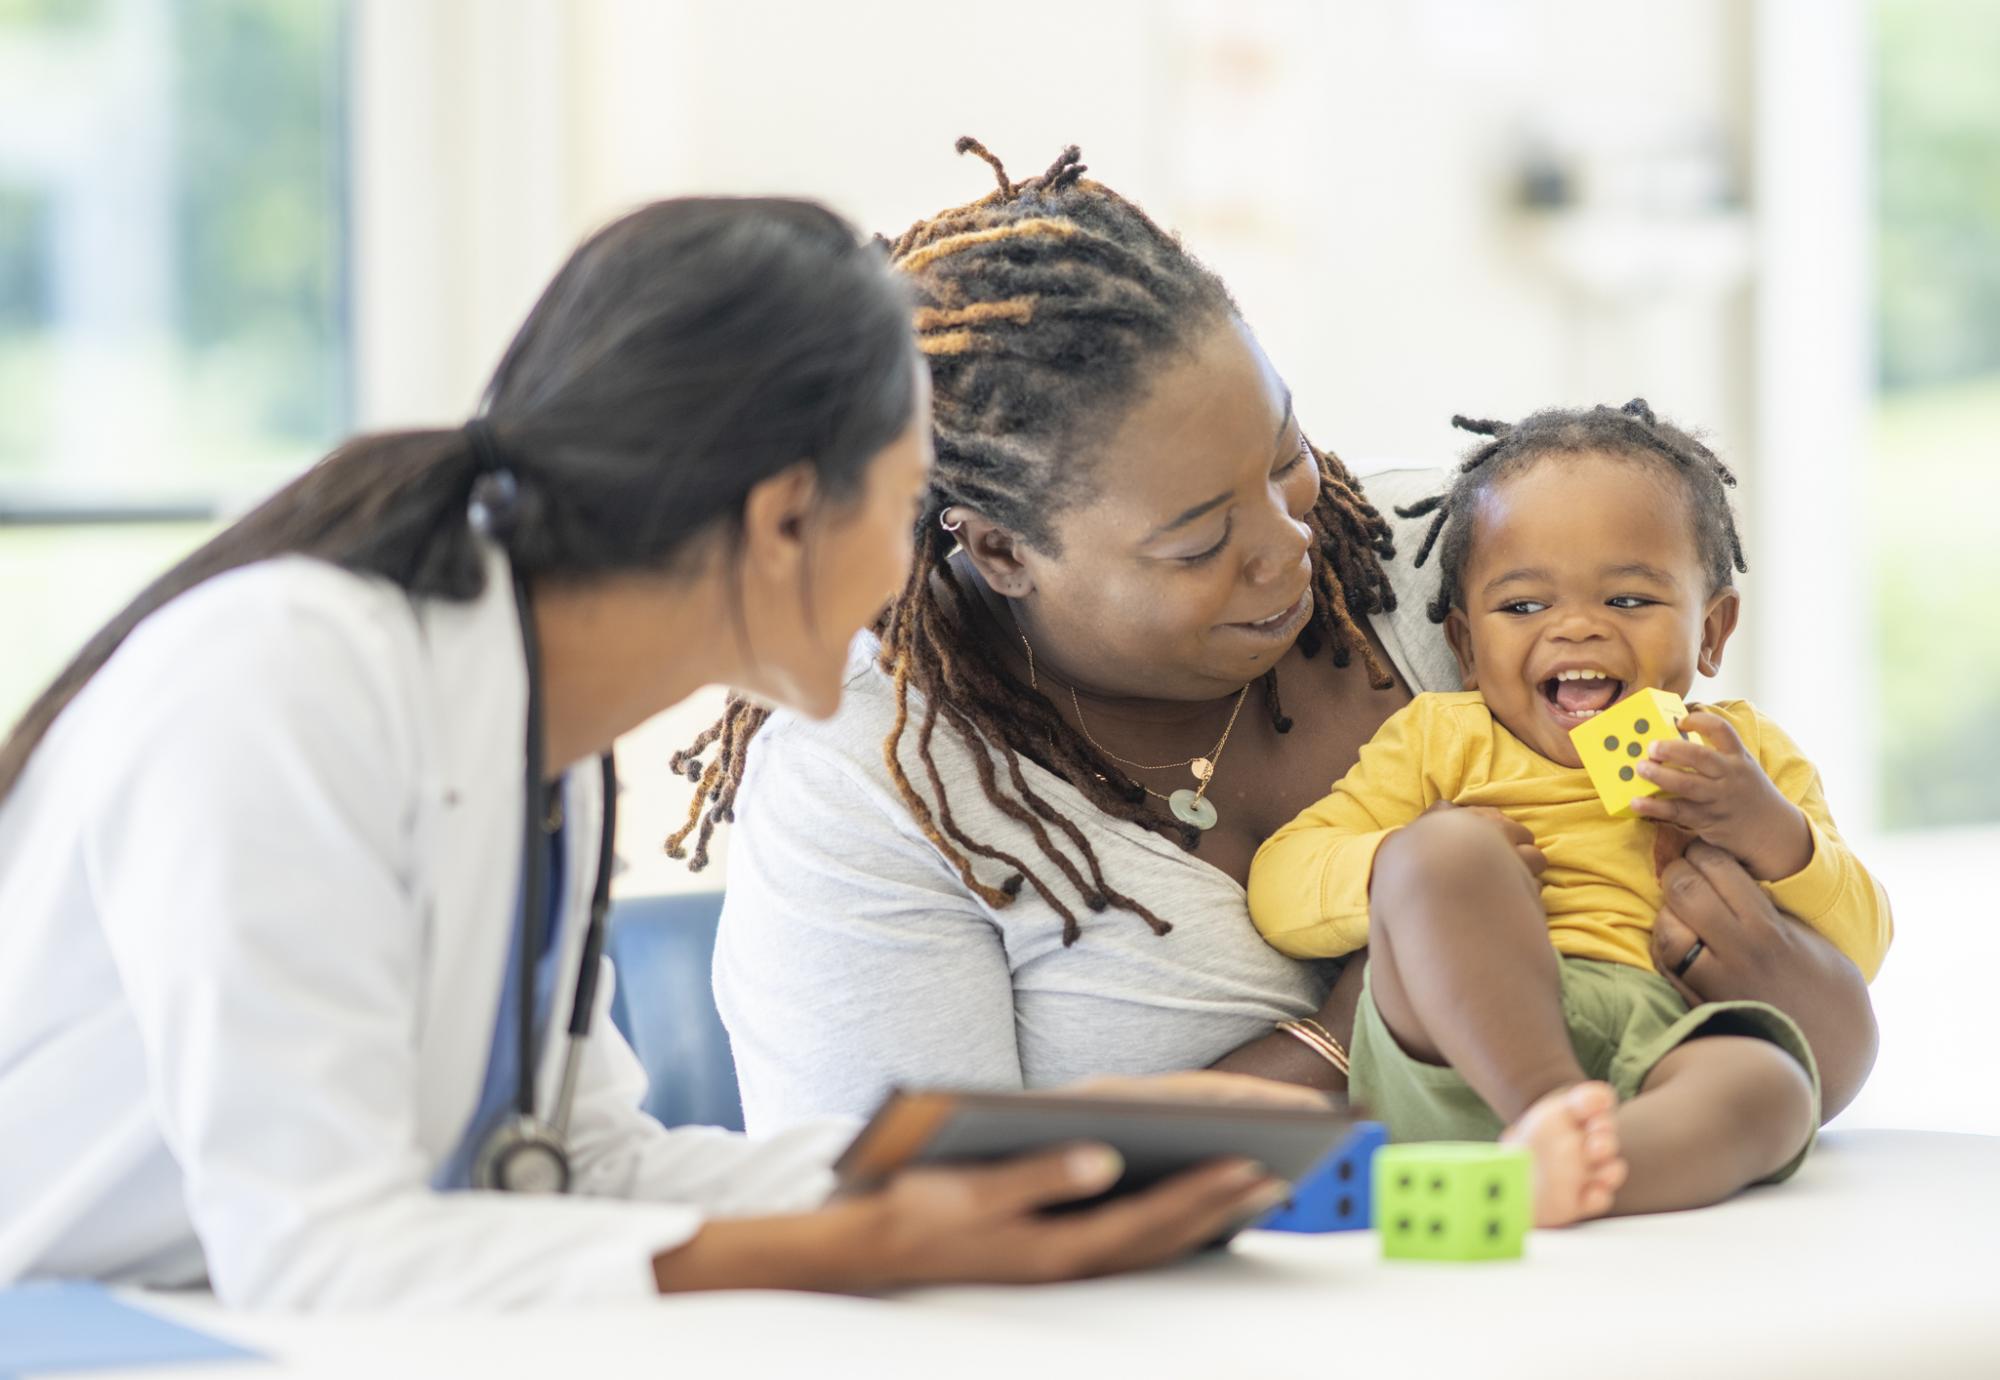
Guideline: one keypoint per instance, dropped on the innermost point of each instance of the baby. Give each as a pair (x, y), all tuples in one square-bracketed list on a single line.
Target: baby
[(1511, 988)]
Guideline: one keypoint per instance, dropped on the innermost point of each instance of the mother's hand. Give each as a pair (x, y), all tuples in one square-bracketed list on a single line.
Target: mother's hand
[(1751, 950)]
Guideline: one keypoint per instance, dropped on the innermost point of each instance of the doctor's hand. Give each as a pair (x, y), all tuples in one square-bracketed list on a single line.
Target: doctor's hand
[(977, 1224)]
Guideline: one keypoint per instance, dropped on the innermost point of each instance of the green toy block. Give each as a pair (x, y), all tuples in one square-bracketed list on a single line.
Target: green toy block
[(1452, 1200)]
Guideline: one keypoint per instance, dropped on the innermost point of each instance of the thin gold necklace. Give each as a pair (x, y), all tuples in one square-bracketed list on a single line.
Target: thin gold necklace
[(1201, 766), (1188, 806)]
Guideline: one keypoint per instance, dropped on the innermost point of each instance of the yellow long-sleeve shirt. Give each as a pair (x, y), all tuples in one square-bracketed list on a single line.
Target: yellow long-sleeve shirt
[(1309, 883)]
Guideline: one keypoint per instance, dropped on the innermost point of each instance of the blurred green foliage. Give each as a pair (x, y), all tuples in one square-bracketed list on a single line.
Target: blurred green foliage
[(49, 14), (24, 287), (1935, 487), (260, 97), (255, 353), (1938, 126)]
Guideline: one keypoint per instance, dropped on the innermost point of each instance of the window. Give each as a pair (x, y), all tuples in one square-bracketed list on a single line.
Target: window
[(173, 320), (1933, 483)]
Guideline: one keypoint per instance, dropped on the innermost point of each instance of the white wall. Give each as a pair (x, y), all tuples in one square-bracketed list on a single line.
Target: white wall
[(1346, 165)]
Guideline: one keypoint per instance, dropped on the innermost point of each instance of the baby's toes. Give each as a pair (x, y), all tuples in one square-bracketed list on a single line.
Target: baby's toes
[(1590, 1102), (1595, 1200)]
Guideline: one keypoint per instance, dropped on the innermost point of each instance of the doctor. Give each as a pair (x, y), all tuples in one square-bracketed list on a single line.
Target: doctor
[(302, 861)]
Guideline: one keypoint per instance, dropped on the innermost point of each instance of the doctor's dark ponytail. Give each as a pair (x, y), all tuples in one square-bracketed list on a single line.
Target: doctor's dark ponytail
[(684, 354)]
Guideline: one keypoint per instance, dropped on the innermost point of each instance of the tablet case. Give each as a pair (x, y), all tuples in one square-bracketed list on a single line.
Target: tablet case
[(1156, 1138)]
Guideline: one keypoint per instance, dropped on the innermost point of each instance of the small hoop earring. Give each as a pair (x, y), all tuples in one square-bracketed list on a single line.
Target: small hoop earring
[(950, 526)]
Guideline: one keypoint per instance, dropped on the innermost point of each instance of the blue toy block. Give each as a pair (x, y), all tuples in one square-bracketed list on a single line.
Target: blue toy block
[(1338, 1195)]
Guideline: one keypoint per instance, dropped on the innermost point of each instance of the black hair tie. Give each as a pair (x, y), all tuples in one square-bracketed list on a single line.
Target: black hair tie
[(495, 505)]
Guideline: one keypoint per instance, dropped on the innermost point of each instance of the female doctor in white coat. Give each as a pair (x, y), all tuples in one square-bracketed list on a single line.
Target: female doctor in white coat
[(300, 861)]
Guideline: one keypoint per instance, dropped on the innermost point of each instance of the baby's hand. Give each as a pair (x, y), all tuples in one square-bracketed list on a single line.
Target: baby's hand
[(1720, 793), (1516, 833)]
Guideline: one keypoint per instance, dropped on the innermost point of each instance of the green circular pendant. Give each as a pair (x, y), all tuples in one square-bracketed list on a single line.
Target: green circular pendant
[(1190, 808)]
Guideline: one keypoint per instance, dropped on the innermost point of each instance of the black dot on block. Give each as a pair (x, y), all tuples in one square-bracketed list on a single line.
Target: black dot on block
[(1611, 742), (1632, 749), (1493, 1189), (1437, 1226), (1403, 1181), (1624, 773), (1403, 1224), (1346, 1171), (1493, 1229), (1437, 1184), (1640, 725), (1345, 1207)]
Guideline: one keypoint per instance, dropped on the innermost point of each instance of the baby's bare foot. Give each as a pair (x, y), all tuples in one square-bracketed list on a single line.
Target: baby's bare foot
[(1573, 1136)]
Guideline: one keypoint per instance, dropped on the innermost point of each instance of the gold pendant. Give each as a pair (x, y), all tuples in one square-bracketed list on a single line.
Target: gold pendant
[(1201, 767)]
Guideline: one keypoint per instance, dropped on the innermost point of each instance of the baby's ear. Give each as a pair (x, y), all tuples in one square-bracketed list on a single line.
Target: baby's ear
[(1458, 632), (1717, 623)]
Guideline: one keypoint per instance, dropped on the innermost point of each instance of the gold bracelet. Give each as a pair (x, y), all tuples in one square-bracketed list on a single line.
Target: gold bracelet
[(1326, 1035), (1336, 1052), (1339, 1050), (1312, 1040), (1314, 1037)]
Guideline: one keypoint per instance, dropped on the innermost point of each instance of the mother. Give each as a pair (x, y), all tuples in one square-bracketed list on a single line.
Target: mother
[(973, 874)]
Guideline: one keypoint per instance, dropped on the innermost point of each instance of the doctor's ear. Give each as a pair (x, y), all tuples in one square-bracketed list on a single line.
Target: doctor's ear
[(775, 517), (996, 552)]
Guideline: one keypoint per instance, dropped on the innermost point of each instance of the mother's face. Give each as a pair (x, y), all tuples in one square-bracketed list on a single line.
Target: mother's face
[(1186, 574)]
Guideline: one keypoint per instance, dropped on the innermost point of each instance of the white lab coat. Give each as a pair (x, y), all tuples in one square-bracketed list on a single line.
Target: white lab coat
[(257, 889)]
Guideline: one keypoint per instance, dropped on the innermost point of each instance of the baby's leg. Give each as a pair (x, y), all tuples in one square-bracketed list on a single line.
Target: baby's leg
[(1460, 963), (1714, 1116), (1462, 973)]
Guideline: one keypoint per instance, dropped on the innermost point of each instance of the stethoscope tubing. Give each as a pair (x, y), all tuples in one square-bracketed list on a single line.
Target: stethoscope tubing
[(536, 903)]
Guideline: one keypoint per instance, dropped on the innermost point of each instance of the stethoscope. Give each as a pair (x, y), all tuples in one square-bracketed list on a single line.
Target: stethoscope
[(525, 1154)]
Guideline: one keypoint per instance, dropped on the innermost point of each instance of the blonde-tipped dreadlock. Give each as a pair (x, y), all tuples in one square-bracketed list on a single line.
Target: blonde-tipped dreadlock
[(1041, 307)]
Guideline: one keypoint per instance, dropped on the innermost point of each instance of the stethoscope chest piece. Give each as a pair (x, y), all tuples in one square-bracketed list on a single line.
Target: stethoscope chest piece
[(524, 1155)]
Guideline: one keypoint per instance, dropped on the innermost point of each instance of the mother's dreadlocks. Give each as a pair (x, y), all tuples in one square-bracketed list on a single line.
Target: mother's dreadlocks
[(1631, 431), (1041, 307)]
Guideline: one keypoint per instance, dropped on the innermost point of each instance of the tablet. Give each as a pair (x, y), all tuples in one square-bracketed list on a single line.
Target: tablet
[(1157, 1138)]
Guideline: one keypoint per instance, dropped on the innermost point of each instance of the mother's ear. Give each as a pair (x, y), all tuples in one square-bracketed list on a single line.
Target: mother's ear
[(1458, 632), (995, 551)]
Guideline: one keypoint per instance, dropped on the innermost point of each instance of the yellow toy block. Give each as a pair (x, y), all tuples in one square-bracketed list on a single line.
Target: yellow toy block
[(1613, 742)]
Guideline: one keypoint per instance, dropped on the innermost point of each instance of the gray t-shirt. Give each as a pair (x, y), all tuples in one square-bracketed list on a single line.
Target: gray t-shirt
[(851, 957)]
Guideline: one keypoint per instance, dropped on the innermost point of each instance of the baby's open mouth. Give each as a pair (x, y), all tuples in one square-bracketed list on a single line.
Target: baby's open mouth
[(1575, 695)]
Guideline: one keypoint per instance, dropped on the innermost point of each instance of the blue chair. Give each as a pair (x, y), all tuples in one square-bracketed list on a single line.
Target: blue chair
[(661, 947)]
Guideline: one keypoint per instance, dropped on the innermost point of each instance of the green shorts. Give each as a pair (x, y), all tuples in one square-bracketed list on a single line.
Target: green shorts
[(1622, 1021)]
